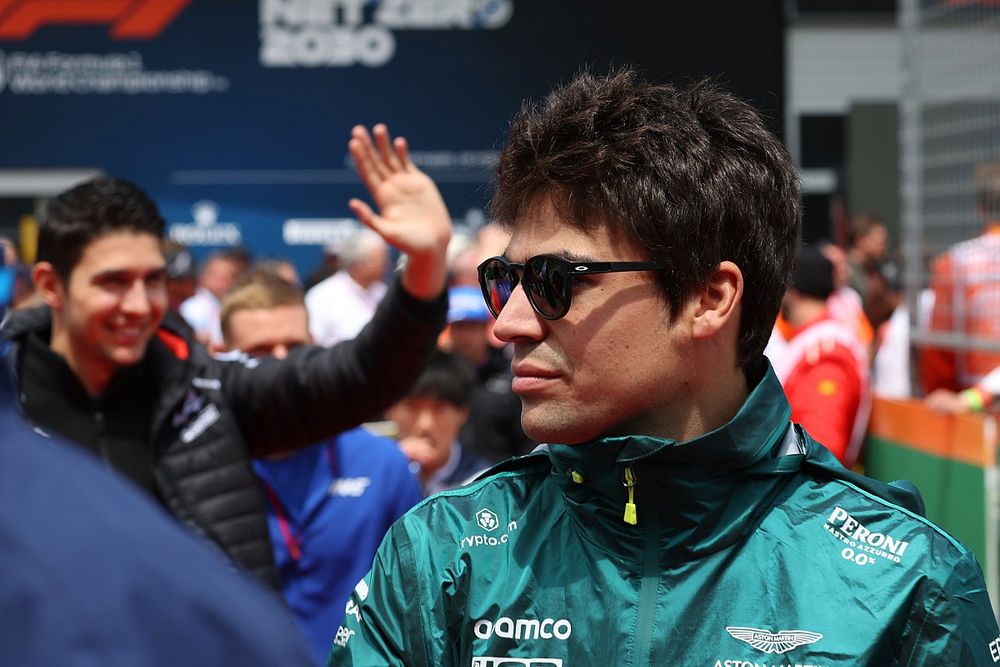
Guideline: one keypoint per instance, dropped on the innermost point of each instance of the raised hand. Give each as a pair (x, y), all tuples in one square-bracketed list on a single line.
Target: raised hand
[(412, 215)]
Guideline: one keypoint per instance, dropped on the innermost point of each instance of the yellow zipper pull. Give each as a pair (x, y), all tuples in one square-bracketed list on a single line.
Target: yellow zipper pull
[(630, 513), (576, 476)]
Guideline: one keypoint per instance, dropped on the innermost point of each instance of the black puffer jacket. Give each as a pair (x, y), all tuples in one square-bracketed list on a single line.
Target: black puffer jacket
[(212, 416)]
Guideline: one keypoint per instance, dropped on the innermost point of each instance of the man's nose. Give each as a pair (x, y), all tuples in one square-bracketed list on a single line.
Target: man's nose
[(424, 422), (518, 320), (136, 300)]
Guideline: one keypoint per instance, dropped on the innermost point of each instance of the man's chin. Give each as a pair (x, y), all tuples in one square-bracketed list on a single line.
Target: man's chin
[(128, 355), (550, 429)]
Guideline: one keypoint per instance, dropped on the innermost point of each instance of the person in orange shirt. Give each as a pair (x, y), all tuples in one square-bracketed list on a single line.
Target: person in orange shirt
[(824, 367), (966, 285)]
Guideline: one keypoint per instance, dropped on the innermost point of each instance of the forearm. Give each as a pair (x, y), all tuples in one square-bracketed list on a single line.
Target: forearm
[(317, 392), (425, 275), (984, 394)]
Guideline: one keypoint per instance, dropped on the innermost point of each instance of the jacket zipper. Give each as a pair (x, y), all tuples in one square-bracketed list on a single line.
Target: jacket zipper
[(631, 517), (646, 614)]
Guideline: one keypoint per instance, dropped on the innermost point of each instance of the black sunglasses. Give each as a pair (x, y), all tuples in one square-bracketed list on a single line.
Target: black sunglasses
[(547, 281)]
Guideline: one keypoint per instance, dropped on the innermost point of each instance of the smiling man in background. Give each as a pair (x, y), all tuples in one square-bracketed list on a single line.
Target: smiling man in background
[(96, 367)]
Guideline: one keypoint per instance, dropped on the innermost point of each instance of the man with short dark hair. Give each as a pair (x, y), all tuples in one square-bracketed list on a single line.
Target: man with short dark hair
[(97, 367), (678, 517)]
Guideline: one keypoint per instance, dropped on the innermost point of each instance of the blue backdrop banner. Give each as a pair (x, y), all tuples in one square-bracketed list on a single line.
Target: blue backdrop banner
[(235, 115)]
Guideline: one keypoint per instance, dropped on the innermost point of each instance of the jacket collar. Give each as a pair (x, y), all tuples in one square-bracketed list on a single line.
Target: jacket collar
[(170, 377), (696, 496), (19, 323)]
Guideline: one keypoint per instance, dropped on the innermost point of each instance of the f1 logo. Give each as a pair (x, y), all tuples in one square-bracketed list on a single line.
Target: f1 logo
[(129, 19)]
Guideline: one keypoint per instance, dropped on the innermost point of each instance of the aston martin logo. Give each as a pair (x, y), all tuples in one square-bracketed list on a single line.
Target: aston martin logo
[(774, 642)]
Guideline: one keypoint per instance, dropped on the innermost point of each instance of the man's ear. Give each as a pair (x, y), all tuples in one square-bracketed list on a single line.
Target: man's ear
[(719, 300), (49, 285)]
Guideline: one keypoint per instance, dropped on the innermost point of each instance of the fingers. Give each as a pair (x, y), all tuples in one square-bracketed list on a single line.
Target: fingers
[(402, 152), (943, 401), (369, 168), (381, 157), (389, 159), (364, 213)]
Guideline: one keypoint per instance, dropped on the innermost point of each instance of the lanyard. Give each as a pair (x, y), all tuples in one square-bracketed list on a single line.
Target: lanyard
[(292, 542)]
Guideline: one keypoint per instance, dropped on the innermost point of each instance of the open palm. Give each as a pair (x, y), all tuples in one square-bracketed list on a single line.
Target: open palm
[(412, 215)]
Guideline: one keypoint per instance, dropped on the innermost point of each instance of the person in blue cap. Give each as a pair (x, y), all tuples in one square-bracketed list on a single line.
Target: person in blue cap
[(493, 429)]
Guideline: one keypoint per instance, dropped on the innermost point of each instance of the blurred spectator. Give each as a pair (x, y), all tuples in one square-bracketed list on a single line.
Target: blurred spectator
[(981, 397), (869, 238), (202, 310), (463, 258), (22, 289), (891, 364), (181, 275), (329, 264), (493, 429), (329, 505), (277, 266), (966, 285), (429, 420), (844, 303), (824, 368), (463, 266), (343, 303), (8, 251)]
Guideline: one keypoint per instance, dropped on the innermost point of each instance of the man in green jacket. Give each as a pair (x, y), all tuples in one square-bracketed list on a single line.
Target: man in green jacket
[(681, 519)]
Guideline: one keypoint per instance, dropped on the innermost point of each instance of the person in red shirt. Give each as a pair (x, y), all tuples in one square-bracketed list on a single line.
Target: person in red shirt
[(824, 367)]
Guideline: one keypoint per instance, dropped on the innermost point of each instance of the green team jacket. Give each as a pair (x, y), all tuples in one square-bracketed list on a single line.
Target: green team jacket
[(751, 546)]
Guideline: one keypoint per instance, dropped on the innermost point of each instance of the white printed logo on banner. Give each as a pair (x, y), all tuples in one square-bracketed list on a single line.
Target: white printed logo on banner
[(342, 33), (115, 73), (206, 228)]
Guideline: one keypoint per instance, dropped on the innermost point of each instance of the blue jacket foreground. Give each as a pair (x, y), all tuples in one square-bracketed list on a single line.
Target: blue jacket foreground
[(95, 574), (748, 546)]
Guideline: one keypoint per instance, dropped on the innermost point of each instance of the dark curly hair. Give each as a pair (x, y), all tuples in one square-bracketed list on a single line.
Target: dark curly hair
[(693, 176), (97, 207)]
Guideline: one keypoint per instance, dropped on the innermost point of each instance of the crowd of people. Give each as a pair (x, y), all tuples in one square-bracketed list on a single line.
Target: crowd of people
[(604, 431), (843, 334)]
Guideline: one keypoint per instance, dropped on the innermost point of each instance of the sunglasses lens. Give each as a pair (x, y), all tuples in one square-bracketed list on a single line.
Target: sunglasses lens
[(547, 282), (498, 281)]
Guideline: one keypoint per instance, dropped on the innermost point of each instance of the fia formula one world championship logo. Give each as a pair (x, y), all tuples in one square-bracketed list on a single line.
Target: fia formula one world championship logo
[(129, 19)]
